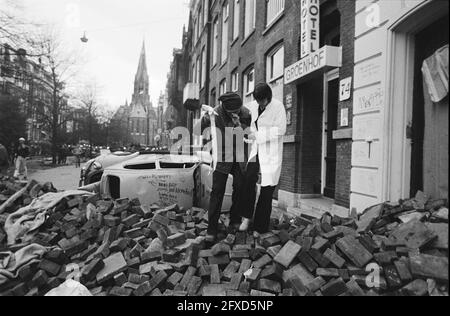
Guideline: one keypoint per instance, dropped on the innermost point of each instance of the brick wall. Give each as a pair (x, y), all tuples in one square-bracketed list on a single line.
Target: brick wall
[(344, 147), (301, 171)]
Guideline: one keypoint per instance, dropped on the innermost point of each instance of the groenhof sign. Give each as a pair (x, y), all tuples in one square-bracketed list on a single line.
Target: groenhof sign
[(326, 58)]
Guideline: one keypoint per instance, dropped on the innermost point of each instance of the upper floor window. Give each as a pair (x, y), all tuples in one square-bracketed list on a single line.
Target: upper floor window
[(200, 19), (235, 81), (213, 97), (205, 12), (275, 72), (223, 87), (225, 18), (275, 64), (274, 9), (250, 17), (249, 81), (194, 38), (215, 41), (203, 80), (236, 18)]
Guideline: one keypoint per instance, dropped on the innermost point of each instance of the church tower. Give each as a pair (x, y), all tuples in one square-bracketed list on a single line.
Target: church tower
[(141, 95), (141, 110)]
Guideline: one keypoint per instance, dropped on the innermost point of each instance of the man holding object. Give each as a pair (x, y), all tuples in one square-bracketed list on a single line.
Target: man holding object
[(231, 120)]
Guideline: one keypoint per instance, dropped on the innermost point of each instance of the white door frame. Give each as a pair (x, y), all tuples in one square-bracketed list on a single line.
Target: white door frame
[(329, 76), (399, 95)]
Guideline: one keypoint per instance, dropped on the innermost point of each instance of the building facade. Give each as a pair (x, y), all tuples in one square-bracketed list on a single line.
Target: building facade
[(400, 134), (326, 60), (26, 79)]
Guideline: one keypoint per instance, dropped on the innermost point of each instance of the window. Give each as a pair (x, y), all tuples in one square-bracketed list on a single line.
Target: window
[(274, 9), (249, 85), (201, 22), (275, 64), (197, 67), (249, 81), (225, 16), (203, 80), (215, 41), (195, 31), (223, 87), (205, 12), (236, 18), (250, 17), (213, 97), (275, 72), (235, 81)]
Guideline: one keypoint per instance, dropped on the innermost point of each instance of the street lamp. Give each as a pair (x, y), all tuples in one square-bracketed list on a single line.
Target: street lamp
[(84, 39)]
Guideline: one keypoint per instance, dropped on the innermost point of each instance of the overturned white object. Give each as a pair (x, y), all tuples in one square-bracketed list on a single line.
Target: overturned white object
[(70, 288)]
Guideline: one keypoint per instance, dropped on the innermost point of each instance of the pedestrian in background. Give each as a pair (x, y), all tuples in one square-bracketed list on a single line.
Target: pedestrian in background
[(4, 161), (22, 153), (266, 157), (77, 152)]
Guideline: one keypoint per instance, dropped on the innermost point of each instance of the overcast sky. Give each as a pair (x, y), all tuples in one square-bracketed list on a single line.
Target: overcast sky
[(116, 29)]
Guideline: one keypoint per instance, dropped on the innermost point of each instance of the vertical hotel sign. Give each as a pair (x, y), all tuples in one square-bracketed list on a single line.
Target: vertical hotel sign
[(310, 27)]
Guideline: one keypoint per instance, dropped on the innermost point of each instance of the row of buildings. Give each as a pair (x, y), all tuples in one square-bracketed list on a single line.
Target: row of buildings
[(361, 129), (26, 79)]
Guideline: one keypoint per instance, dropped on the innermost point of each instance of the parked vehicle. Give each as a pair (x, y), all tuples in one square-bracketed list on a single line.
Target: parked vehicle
[(159, 178), (92, 171)]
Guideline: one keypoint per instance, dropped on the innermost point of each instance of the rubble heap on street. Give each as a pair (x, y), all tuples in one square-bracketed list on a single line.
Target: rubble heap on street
[(123, 248)]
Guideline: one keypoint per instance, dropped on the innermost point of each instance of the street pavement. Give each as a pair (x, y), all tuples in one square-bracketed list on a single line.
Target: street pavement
[(63, 178)]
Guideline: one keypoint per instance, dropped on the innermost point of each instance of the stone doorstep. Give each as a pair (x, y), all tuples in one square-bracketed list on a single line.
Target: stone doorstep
[(316, 207)]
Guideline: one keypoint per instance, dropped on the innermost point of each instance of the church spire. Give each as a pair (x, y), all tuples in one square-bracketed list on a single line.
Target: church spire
[(142, 68), (141, 83)]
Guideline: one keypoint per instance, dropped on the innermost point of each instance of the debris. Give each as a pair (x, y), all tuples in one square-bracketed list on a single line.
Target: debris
[(122, 248)]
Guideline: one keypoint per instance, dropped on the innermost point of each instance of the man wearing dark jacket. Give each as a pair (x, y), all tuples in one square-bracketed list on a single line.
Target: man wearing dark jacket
[(231, 120)]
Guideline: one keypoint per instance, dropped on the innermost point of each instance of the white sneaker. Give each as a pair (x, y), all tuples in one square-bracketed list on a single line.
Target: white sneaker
[(245, 224)]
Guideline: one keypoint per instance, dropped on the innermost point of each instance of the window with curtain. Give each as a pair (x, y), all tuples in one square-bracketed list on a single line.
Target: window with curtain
[(225, 18), (274, 9), (250, 17), (236, 18)]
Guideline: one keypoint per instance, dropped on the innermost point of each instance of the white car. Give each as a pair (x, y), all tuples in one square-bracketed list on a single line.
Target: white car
[(163, 179)]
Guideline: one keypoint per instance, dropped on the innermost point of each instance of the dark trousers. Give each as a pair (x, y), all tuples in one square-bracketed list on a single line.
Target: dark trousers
[(217, 195), (261, 217)]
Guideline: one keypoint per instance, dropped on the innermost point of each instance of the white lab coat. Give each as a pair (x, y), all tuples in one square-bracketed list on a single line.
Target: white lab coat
[(269, 140)]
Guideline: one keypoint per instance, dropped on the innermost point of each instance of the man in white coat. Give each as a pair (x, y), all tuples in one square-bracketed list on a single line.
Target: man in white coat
[(267, 130)]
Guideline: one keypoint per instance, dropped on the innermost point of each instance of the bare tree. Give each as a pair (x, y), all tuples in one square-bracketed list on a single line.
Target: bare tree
[(88, 102), (16, 30), (62, 65)]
